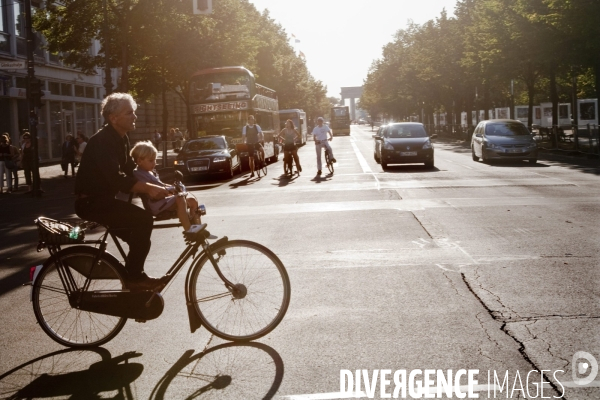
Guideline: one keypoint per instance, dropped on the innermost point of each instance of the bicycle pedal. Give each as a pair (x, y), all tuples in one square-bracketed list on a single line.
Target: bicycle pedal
[(141, 321)]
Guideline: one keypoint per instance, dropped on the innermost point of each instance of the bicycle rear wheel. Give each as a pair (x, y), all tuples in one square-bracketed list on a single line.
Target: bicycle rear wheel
[(260, 301), (67, 325)]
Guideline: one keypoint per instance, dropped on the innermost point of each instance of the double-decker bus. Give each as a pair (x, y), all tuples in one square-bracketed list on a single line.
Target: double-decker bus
[(220, 101), (340, 120), (299, 118)]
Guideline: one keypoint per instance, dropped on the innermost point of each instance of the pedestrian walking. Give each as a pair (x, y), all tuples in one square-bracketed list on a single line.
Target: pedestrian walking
[(69, 150), (157, 138), (178, 136), (6, 159), (27, 160), (80, 147)]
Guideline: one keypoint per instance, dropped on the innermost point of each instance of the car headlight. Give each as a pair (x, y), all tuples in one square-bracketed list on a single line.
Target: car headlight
[(492, 146), (427, 145), (388, 146), (532, 145), (179, 162), (219, 159)]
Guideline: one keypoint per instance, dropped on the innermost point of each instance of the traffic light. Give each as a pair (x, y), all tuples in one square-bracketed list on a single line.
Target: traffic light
[(36, 93), (202, 6)]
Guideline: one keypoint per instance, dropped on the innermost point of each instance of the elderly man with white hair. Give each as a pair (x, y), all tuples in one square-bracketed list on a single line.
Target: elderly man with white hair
[(107, 168), (320, 135)]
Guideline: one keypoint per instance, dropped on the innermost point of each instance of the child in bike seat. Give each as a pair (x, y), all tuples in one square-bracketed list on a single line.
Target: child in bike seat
[(144, 155)]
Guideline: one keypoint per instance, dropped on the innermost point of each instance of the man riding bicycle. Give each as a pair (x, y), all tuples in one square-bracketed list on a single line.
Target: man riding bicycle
[(253, 136), (320, 133), (107, 168)]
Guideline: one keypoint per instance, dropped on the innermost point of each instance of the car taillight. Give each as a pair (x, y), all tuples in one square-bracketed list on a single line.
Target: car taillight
[(31, 273)]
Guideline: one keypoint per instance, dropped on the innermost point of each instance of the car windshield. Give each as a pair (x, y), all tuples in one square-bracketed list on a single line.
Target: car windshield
[(405, 131), (205, 144), (506, 129)]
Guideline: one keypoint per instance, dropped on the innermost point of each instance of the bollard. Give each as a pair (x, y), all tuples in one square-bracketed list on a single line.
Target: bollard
[(590, 142), (576, 136)]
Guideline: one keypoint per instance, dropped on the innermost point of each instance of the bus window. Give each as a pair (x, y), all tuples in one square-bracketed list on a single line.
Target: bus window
[(265, 120)]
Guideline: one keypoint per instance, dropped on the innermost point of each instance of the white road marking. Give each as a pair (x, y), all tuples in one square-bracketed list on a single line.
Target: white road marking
[(363, 162)]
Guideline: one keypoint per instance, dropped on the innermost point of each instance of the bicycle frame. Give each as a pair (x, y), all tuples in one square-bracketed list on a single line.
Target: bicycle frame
[(191, 250)]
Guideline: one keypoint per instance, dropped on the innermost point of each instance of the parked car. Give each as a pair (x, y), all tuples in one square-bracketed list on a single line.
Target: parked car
[(208, 155), (403, 143), (503, 139)]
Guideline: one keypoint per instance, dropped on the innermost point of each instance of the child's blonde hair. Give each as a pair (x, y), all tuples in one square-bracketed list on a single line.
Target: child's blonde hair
[(143, 150)]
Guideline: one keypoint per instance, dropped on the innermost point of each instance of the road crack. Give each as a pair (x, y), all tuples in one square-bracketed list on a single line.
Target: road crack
[(504, 328)]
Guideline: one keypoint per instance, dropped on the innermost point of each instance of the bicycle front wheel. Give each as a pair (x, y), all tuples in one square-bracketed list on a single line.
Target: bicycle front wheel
[(329, 163), (259, 300), (67, 325)]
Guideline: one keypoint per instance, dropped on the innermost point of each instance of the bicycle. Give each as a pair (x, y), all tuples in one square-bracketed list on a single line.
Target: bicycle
[(259, 164), (327, 159), (80, 296)]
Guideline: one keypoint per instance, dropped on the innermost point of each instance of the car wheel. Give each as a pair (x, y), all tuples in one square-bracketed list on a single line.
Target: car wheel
[(429, 164), (228, 174), (533, 160), (473, 156), (484, 159)]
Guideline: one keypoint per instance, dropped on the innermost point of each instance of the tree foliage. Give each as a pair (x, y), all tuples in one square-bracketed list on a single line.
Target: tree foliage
[(158, 44), (468, 61)]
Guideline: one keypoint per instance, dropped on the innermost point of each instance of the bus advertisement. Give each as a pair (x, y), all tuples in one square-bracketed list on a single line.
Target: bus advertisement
[(298, 117), (221, 99), (340, 120)]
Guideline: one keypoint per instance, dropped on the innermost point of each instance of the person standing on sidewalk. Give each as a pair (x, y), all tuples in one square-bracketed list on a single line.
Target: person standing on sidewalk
[(15, 154), (107, 168)]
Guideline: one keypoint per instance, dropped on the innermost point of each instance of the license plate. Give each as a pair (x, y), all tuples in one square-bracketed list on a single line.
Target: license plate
[(408, 153), (515, 150), (194, 169)]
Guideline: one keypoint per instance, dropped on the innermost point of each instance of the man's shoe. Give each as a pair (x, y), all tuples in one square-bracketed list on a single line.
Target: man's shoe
[(252, 175), (333, 160), (319, 172), (146, 283)]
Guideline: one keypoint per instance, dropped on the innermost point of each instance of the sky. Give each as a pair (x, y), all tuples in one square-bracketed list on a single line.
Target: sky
[(341, 38)]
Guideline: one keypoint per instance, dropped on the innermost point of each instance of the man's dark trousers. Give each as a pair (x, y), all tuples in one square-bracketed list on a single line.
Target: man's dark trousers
[(130, 223)]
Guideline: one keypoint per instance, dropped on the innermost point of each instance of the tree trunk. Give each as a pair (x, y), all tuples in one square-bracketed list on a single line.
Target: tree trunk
[(553, 94), (165, 114), (124, 86)]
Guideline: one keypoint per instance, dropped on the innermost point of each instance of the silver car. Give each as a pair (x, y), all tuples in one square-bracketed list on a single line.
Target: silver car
[(503, 139)]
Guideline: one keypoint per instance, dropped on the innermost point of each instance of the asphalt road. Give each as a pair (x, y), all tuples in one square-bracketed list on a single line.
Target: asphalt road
[(464, 266)]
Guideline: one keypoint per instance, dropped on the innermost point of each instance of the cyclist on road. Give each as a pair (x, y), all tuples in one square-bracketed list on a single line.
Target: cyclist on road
[(289, 134), (107, 168), (253, 136), (320, 133)]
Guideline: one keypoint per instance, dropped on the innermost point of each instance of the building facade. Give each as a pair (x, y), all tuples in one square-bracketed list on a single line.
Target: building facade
[(72, 99)]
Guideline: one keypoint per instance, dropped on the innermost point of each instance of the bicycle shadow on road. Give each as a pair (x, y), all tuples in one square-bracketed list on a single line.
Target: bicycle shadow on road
[(72, 373), (226, 371), (322, 178), (284, 180)]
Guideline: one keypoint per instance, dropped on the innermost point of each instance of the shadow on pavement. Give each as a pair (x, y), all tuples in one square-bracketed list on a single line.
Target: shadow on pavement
[(229, 371), (77, 374)]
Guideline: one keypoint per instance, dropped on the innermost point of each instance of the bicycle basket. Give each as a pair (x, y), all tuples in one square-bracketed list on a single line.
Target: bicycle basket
[(54, 232)]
